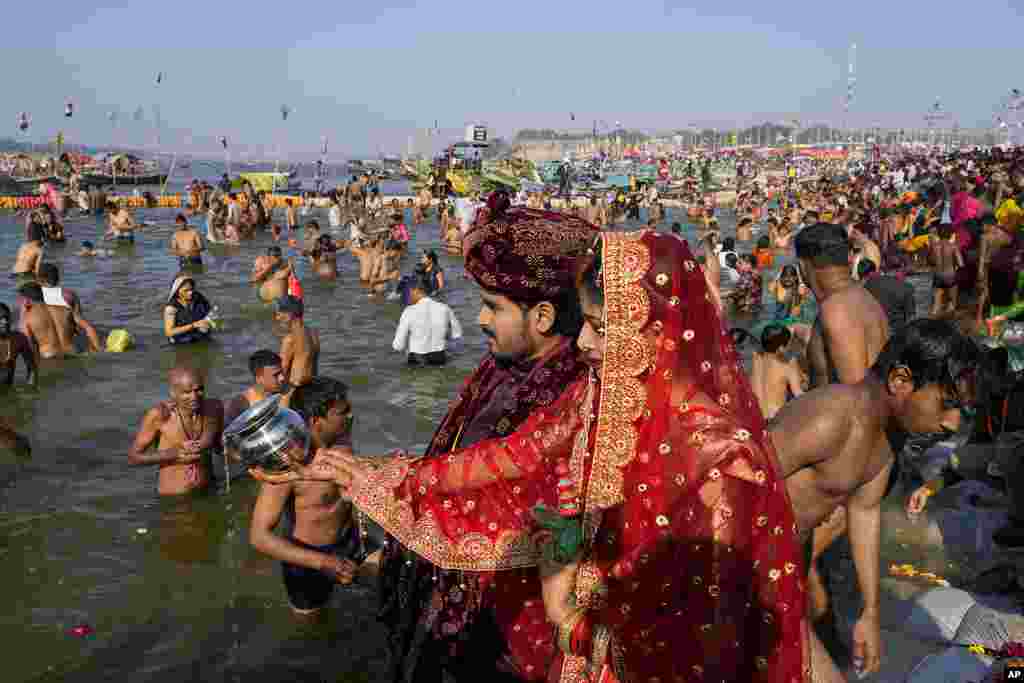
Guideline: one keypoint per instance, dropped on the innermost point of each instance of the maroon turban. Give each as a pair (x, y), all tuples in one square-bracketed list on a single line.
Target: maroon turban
[(526, 254)]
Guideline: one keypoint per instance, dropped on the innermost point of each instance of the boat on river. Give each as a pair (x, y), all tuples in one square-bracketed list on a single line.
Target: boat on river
[(90, 178)]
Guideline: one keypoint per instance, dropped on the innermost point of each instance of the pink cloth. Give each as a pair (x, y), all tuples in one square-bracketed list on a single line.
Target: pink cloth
[(964, 207)]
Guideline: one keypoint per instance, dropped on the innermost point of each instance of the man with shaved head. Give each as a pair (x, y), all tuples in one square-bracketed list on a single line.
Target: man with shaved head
[(183, 432)]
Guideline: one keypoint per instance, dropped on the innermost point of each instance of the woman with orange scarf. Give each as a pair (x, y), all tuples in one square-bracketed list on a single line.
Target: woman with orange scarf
[(688, 564)]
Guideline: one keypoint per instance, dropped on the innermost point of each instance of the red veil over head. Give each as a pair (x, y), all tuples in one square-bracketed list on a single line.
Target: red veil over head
[(692, 566)]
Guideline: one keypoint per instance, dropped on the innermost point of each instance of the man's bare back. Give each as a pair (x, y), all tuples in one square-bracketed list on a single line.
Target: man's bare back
[(851, 330), (774, 379), (39, 326), (186, 242), (300, 355), (29, 258), (831, 445)]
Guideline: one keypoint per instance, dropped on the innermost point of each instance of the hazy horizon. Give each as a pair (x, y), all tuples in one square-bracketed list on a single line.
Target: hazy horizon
[(369, 77)]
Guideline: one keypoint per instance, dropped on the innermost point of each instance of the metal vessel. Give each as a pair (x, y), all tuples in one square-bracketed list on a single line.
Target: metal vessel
[(269, 437)]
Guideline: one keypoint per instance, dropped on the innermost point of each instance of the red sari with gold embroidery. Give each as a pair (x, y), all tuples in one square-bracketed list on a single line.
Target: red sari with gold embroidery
[(692, 566)]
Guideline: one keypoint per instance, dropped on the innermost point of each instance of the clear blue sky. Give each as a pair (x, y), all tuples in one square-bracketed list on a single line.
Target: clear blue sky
[(370, 74)]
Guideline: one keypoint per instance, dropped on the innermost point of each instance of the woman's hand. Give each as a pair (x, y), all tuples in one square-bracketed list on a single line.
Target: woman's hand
[(558, 586)]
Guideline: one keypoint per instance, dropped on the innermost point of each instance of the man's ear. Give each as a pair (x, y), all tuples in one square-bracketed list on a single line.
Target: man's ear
[(544, 314)]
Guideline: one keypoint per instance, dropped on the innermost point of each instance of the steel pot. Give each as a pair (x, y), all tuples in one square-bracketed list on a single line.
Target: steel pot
[(269, 437)]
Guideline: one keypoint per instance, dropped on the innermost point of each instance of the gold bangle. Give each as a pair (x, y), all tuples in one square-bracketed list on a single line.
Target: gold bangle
[(566, 628)]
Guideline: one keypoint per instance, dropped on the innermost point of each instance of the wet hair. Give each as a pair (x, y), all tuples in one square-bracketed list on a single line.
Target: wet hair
[(677, 228), (180, 218), (934, 351), (313, 224), (764, 243), (789, 270), (729, 244), (49, 274), (945, 231), (316, 397), (775, 337), (731, 260), (421, 283), (86, 244), (811, 215), (35, 232), (31, 291), (824, 245), (273, 251), (865, 267), (263, 358), (432, 257), (744, 222)]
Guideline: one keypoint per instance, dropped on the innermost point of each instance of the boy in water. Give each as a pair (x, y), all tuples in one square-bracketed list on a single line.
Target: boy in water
[(325, 545), (13, 344), (774, 377)]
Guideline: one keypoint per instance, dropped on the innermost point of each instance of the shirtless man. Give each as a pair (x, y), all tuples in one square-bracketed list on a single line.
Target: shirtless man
[(325, 546), (849, 333), (386, 270), (37, 324), (65, 308), (30, 253), (945, 257), (187, 244), (865, 248), (272, 272), (300, 345), (774, 377), (13, 344), (122, 226), (835, 450), (268, 379), (183, 431)]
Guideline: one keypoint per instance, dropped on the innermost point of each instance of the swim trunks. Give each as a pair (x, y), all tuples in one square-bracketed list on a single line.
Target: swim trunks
[(190, 261), (310, 589), (126, 238), (944, 281)]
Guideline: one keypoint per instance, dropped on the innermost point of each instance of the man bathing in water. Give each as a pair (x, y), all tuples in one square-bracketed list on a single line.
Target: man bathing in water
[(13, 344), (65, 308), (837, 446), (325, 545), (272, 272), (300, 345), (268, 379), (30, 253), (37, 324), (183, 432), (186, 244), (122, 226)]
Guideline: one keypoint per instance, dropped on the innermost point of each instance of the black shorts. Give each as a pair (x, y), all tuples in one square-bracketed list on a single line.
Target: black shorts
[(432, 358), (309, 589), (190, 261)]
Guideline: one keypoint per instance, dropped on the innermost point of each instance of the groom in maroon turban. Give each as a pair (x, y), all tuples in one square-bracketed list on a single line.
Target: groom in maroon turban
[(446, 625)]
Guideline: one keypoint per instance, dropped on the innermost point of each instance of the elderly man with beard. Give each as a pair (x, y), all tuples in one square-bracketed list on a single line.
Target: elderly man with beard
[(442, 624)]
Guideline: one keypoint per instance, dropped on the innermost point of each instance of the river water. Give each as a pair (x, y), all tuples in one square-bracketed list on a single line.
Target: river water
[(170, 588)]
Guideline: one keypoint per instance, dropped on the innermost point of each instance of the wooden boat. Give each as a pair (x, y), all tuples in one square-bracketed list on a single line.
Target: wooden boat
[(108, 179)]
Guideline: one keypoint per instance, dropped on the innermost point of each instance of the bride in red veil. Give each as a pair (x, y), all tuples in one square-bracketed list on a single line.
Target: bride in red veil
[(690, 566)]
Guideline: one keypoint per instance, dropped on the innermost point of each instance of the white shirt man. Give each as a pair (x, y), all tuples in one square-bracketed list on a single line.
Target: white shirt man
[(425, 327)]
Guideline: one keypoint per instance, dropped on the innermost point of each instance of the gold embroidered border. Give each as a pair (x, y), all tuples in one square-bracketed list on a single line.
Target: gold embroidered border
[(627, 308), (473, 552)]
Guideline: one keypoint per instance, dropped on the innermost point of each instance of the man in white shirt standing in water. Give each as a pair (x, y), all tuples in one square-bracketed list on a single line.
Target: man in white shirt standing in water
[(425, 327)]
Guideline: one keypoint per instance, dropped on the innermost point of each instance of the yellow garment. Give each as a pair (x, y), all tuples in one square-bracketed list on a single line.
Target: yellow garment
[(119, 341), (1010, 215), (915, 243)]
